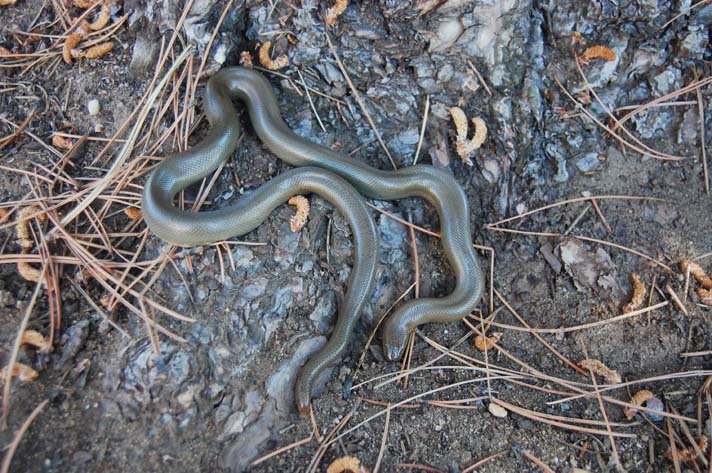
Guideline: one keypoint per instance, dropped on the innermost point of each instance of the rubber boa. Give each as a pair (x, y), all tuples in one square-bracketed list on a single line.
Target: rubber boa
[(322, 171)]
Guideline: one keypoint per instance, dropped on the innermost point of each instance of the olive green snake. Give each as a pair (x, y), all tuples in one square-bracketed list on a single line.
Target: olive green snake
[(335, 177)]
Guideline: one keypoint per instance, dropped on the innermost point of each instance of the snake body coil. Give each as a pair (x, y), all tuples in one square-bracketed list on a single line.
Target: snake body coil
[(322, 171)]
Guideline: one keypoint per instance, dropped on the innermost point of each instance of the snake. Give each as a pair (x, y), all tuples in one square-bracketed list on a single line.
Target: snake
[(339, 179)]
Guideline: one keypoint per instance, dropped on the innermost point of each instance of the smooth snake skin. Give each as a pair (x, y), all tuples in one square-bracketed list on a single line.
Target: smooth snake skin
[(324, 172)]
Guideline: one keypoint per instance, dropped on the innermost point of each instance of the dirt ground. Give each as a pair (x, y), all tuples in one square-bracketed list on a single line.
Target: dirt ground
[(552, 81)]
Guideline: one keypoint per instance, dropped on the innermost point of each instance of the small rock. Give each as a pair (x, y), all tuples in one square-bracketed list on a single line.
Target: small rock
[(497, 410), (93, 107), (588, 162)]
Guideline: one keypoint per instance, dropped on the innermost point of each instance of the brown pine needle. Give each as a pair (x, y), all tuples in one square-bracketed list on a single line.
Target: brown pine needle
[(18, 436)]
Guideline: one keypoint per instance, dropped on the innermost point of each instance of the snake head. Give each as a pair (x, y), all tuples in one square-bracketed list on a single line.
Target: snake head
[(395, 337)]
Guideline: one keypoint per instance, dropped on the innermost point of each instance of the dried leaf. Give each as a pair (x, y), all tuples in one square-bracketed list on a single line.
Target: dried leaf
[(62, 142), (488, 343), (597, 367), (299, 219), (5, 3), (133, 213), (599, 52)]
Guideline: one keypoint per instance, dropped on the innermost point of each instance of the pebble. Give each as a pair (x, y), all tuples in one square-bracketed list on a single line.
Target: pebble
[(497, 410), (93, 107)]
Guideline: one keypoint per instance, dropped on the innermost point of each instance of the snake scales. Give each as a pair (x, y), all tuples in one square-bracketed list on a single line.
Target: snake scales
[(335, 177)]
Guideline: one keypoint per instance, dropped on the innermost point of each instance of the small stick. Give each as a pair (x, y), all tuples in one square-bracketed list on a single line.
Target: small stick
[(573, 201), (422, 129), (601, 216), (383, 439), (602, 407), (577, 220), (676, 299), (359, 100), (529, 456), (18, 436), (16, 346), (479, 77), (479, 463), (311, 103), (701, 117), (684, 12)]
